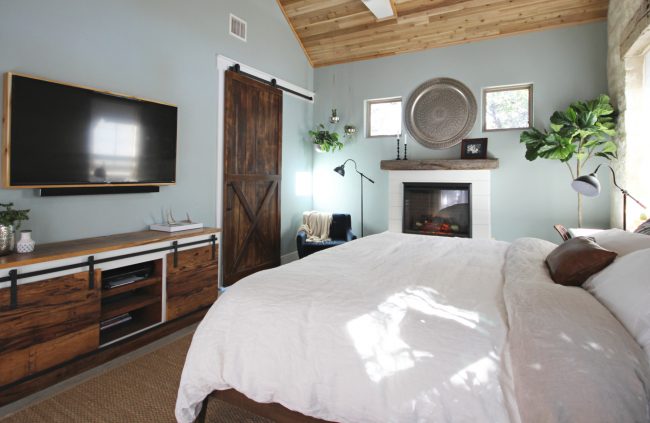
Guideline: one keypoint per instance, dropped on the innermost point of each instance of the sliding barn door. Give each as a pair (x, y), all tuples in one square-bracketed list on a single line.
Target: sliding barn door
[(252, 173)]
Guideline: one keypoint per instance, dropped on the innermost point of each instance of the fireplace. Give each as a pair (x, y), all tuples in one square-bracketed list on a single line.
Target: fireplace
[(479, 195), (441, 209)]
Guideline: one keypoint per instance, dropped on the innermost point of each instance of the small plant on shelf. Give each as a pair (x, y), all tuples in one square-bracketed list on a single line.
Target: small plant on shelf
[(325, 140), (11, 217)]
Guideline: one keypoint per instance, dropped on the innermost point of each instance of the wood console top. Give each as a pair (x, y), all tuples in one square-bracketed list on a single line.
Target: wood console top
[(90, 246)]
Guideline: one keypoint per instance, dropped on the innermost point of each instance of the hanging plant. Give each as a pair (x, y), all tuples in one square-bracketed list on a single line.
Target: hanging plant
[(325, 140)]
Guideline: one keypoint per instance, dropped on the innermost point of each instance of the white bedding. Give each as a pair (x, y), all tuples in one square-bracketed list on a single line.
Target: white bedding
[(407, 328)]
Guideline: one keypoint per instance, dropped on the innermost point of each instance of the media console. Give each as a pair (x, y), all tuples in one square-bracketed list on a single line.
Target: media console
[(70, 306)]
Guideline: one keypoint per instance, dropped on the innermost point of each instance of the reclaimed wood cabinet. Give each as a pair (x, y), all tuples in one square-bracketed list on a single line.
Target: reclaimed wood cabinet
[(57, 319), (53, 321), (190, 280)]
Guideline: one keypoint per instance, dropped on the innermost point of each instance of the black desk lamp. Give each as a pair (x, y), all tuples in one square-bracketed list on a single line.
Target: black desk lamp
[(341, 171), (590, 186)]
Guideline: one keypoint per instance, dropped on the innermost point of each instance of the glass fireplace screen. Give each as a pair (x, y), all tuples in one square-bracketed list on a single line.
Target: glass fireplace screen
[(441, 209)]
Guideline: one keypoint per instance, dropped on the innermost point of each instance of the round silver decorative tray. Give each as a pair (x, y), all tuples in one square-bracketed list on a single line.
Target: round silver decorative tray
[(440, 113)]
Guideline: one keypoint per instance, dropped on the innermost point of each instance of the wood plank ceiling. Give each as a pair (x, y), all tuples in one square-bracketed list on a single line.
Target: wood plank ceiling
[(340, 31)]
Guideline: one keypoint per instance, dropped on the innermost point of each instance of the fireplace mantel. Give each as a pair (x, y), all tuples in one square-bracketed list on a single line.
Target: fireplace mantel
[(440, 164)]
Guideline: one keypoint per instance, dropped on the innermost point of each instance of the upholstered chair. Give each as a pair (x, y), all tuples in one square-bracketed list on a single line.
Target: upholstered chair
[(340, 232)]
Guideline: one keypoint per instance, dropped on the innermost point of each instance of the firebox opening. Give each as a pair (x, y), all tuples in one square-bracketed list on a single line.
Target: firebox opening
[(440, 209)]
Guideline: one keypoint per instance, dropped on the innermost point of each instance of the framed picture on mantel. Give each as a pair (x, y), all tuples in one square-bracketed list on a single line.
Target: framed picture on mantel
[(474, 148)]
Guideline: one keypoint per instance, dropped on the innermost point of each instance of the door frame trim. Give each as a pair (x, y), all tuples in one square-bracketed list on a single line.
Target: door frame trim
[(223, 63)]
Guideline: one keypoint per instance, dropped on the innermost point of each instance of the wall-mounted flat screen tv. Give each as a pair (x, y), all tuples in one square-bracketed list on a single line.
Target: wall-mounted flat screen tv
[(60, 135)]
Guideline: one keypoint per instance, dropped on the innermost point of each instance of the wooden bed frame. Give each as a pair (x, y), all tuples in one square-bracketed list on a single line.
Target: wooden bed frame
[(273, 411)]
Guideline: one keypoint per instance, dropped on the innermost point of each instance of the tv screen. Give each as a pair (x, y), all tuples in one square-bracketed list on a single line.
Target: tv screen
[(63, 135)]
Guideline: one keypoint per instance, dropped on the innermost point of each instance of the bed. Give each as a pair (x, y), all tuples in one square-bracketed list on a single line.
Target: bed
[(409, 328)]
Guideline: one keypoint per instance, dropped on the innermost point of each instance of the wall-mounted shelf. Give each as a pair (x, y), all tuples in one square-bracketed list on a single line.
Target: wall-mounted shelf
[(440, 164)]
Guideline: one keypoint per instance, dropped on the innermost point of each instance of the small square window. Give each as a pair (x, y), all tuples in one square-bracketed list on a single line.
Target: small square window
[(384, 117), (508, 107)]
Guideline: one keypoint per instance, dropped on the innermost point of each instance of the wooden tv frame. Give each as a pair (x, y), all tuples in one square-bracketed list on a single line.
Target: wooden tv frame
[(6, 135)]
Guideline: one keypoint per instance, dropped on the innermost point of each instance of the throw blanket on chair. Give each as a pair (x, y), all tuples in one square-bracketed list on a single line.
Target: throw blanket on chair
[(316, 225)]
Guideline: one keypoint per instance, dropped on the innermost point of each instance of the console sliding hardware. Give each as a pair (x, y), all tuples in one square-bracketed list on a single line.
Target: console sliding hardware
[(13, 275), (91, 263), (175, 246), (91, 272)]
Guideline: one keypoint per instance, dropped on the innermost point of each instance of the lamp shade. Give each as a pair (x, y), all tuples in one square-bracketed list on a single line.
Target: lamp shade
[(587, 185), (340, 170)]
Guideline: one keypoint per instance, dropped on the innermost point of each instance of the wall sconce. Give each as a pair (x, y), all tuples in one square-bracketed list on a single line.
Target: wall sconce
[(350, 130), (334, 118)]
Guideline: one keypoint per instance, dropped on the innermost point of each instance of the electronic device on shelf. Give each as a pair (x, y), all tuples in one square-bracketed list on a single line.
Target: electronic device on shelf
[(126, 275), (115, 321)]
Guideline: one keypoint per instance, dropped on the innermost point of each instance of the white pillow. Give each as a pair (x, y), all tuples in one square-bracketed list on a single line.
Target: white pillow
[(624, 288), (621, 242)]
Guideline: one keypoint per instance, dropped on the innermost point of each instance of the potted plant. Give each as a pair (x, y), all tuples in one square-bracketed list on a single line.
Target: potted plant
[(583, 131), (10, 220), (325, 140), (349, 130)]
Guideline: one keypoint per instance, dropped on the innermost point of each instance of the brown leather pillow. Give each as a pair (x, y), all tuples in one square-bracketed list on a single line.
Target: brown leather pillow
[(573, 261)]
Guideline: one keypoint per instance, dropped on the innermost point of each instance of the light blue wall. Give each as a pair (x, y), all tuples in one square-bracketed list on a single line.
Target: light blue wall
[(164, 50), (296, 163), (527, 197)]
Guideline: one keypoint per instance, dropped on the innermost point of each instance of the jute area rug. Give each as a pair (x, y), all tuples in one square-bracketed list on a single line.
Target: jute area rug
[(140, 391)]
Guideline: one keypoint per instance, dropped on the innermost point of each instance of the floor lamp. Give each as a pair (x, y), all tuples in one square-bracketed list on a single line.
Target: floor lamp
[(590, 186), (341, 171)]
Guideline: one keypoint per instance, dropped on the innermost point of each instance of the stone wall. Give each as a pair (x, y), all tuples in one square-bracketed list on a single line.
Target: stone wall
[(625, 79)]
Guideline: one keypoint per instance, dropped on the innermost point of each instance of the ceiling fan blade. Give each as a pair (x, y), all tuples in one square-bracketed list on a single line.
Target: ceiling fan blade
[(382, 9)]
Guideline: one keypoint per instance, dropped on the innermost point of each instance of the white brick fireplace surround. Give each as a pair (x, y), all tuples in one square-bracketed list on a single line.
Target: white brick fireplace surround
[(480, 195)]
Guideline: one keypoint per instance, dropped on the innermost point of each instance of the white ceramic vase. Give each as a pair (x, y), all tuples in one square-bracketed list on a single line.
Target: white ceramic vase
[(26, 244)]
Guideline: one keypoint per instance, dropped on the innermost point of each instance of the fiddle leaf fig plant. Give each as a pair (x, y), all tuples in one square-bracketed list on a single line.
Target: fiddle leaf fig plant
[(576, 135), (326, 140), (11, 217)]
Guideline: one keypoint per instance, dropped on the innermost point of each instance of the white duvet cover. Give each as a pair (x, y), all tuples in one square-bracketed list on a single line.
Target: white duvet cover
[(407, 328)]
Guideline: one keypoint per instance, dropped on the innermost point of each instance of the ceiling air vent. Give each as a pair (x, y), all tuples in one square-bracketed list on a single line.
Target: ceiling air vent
[(237, 27)]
